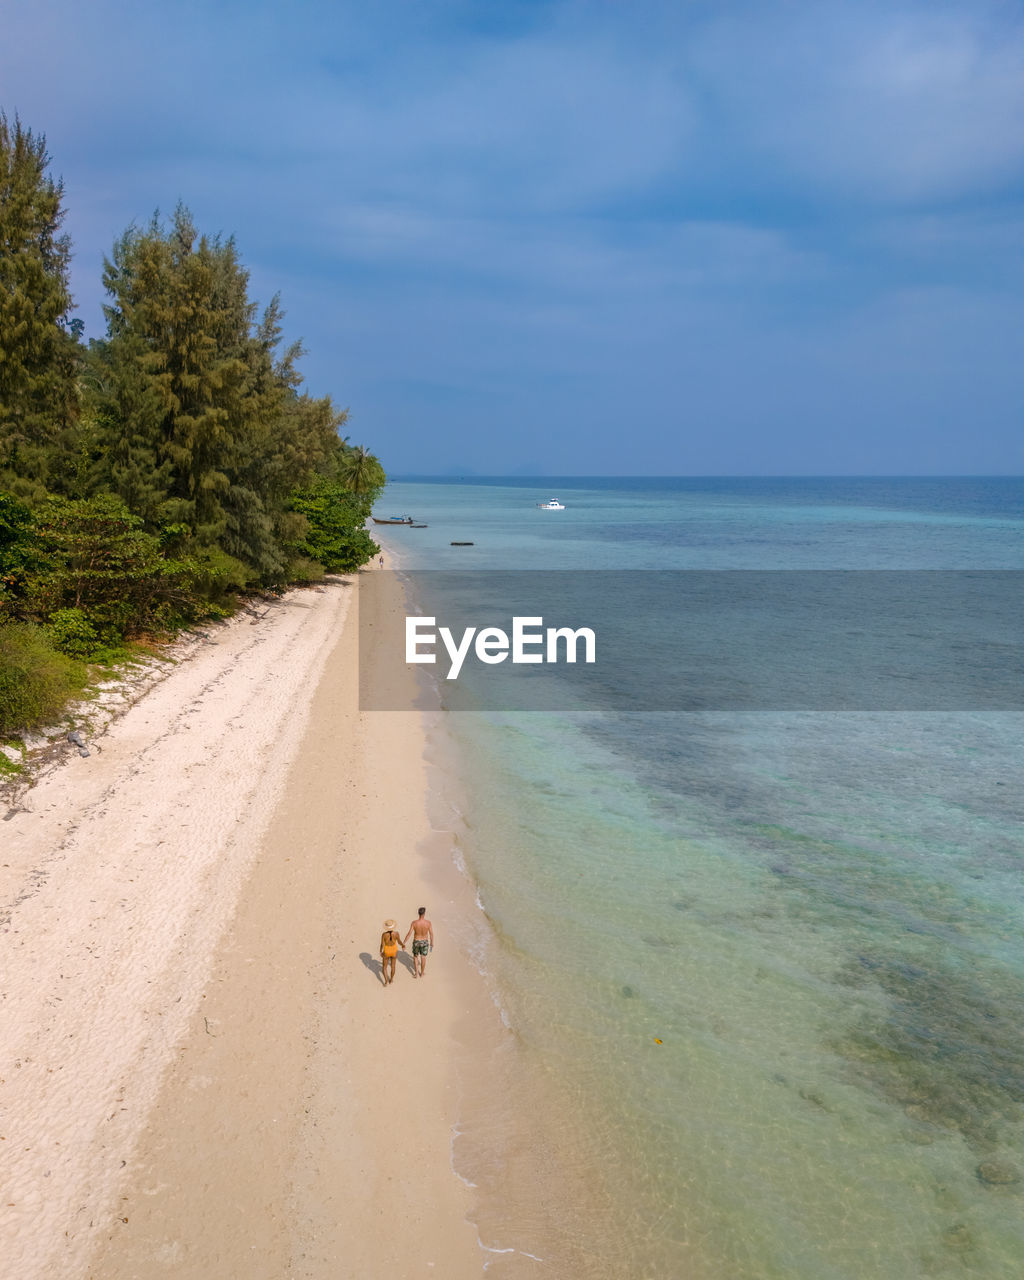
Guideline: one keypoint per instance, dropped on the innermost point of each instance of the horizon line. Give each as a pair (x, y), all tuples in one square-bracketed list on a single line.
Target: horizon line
[(711, 475)]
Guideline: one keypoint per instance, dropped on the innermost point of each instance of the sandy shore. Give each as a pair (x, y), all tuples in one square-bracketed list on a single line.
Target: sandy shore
[(201, 1074)]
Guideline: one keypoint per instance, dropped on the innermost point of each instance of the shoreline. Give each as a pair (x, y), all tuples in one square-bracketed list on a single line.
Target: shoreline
[(543, 1205), (209, 1082)]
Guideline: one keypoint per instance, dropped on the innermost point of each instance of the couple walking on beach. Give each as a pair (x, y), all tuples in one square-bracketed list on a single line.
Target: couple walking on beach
[(422, 944)]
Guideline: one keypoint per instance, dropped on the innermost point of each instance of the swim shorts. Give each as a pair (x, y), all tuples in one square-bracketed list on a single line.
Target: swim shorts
[(420, 946)]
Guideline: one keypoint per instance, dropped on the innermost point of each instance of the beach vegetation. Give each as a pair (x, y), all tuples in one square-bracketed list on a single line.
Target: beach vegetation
[(72, 633), (202, 421), (16, 543), (93, 556), (360, 472), (302, 570), (36, 680), (10, 768), (156, 474), (38, 341), (215, 580), (334, 533)]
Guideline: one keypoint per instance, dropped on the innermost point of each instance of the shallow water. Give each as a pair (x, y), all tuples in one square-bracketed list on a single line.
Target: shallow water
[(773, 961)]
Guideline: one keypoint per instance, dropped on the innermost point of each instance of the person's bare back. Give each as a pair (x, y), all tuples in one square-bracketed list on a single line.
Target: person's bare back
[(422, 942)]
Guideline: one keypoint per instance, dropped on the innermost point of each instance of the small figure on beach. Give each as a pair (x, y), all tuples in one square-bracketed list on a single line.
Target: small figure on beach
[(422, 942), (389, 944), (382, 562)]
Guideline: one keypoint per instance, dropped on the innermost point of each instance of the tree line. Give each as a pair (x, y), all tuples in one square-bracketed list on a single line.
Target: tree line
[(149, 476)]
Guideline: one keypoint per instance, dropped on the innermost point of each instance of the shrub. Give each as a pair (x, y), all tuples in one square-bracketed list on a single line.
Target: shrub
[(9, 768), (94, 558), (15, 547), (335, 535), (213, 575), (301, 570), (35, 680), (72, 633)]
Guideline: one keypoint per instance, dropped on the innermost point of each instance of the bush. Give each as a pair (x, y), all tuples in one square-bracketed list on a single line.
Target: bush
[(72, 633), (94, 558), (213, 576), (335, 536), (352, 551), (301, 570), (15, 547), (9, 768), (35, 680)]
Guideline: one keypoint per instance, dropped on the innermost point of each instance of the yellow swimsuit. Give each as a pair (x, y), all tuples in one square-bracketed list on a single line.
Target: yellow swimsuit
[(390, 948)]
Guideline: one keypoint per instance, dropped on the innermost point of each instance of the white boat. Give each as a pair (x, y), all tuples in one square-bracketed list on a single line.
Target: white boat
[(551, 505)]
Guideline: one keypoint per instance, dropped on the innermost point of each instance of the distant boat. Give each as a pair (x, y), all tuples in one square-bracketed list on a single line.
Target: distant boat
[(393, 520), (417, 526), (461, 544), (551, 505)]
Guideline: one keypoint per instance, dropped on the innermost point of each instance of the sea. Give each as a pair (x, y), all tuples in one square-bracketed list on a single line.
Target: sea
[(760, 972)]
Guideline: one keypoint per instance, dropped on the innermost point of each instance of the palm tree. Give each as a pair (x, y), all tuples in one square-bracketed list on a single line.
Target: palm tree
[(360, 471)]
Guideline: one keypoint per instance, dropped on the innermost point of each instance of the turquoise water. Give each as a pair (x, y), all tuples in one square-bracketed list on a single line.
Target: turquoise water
[(773, 961)]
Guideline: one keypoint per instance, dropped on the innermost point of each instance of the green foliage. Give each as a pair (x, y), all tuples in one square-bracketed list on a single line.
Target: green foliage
[(35, 680), (360, 472), (202, 420), (117, 441), (94, 556), (15, 548), (335, 534), (15, 519), (38, 348), (153, 476), (214, 577), (300, 570), (72, 633)]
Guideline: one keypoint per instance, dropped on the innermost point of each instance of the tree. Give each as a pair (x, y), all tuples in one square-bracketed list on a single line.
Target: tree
[(335, 534), (360, 471), (15, 548), (94, 556), (38, 344), (119, 433), (289, 438), (174, 366), (205, 427)]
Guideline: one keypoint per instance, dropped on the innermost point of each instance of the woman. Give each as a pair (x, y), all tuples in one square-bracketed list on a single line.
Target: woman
[(389, 944)]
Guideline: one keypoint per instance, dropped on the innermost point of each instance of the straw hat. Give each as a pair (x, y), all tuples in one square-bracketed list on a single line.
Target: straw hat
[(390, 924)]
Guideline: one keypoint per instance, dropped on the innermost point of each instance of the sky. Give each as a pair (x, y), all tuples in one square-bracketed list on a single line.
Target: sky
[(563, 237)]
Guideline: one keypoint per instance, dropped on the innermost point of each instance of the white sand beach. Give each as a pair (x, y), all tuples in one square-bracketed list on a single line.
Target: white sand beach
[(202, 1075)]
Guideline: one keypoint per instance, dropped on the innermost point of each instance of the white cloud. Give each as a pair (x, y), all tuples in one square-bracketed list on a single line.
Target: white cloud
[(623, 216), (531, 125), (907, 105)]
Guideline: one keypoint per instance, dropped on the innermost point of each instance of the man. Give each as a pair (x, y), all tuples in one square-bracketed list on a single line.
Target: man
[(422, 942)]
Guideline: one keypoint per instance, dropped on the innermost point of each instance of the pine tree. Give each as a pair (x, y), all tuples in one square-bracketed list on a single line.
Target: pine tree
[(38, 361), (292, 436), (206, 428), (173, 358), (120, 430)]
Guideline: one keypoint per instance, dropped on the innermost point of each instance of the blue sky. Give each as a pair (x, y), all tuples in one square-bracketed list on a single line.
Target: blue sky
[(599, 238)]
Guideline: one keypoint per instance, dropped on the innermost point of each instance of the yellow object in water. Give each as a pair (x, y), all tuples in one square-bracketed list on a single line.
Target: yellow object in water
[(656, 1040)]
